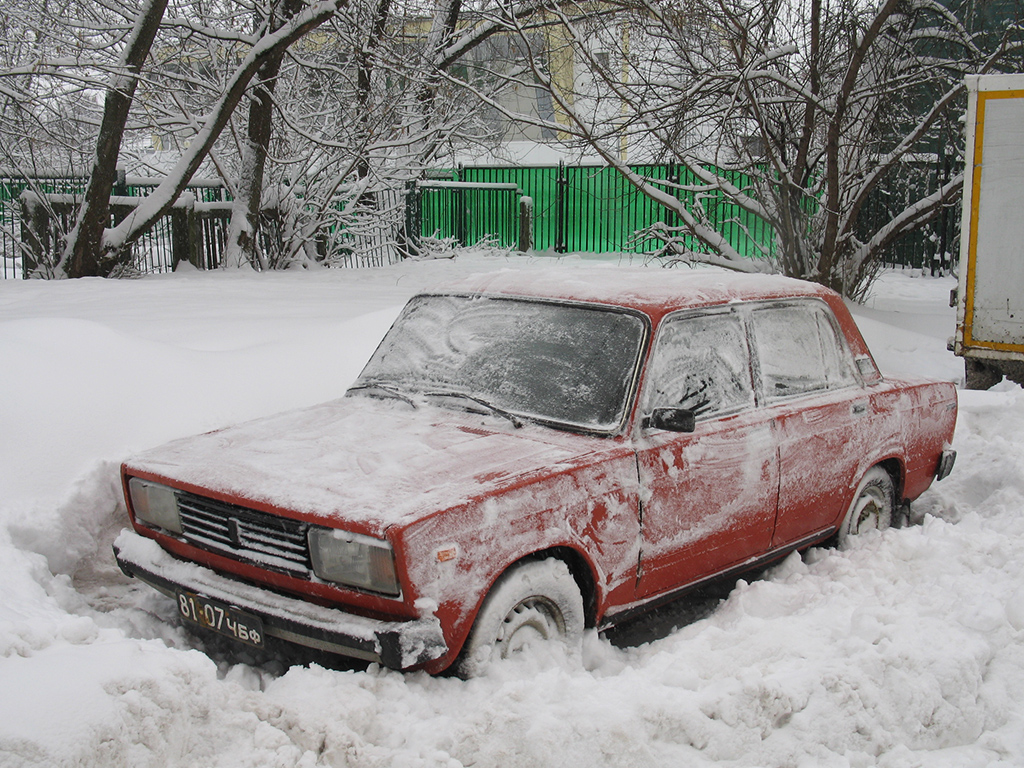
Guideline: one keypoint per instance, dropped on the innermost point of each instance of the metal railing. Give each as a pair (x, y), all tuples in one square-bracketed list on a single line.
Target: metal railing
[(24, 245), (574, 209), (37, 212), (592, 209)]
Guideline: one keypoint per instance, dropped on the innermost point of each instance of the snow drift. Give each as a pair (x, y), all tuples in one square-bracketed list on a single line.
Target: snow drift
[(906, 649)]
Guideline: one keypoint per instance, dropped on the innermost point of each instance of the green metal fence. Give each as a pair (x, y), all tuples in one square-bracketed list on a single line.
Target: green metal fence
[(538, 183), (594, 209), (588, 209), (466, 212)]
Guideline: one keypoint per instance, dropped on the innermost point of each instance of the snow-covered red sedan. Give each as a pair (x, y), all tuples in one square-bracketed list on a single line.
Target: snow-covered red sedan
[(530, 453)]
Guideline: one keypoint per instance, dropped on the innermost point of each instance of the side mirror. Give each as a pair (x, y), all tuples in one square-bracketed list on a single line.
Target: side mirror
[(671, 420)]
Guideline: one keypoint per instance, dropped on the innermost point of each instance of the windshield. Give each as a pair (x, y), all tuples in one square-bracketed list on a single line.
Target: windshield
[(568, 364)]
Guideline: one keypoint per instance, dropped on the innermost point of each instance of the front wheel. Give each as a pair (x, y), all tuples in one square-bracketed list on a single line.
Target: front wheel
[(538, 601), (873, 506)]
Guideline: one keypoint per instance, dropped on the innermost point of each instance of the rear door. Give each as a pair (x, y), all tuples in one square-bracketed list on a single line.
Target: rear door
[(821, 413)]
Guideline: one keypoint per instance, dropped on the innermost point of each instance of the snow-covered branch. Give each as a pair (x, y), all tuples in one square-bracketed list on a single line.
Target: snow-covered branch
[(143, 217)]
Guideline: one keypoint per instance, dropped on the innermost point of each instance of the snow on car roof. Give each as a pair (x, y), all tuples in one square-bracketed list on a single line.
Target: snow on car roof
[(653, 291)]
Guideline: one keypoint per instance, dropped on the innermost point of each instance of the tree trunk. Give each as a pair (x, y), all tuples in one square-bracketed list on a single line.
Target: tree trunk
[(244, 246), (446, 19), (82, 256), (364, 82), (833, 247)]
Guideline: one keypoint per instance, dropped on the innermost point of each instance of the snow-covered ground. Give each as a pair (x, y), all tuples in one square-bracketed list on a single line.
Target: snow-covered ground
[(907, 649)]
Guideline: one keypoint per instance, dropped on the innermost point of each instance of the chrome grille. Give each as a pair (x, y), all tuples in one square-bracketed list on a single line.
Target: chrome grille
[(272, 542)]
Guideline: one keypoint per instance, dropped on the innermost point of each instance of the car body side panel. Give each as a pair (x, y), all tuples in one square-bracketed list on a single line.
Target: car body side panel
[(920, 417), (828, 444), (822, 441), (455, 557)]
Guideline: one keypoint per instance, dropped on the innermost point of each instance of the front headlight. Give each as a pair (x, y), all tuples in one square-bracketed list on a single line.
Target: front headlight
[(353, 560), (155, 504)]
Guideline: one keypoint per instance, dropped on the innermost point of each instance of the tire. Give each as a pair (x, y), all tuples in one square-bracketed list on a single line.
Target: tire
[(873, 507), (537, 601), (979, 375)]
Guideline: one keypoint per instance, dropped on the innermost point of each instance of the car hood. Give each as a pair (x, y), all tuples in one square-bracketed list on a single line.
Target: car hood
[(369, 462)]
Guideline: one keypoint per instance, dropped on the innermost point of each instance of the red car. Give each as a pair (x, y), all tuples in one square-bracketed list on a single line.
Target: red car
[(530, 453)]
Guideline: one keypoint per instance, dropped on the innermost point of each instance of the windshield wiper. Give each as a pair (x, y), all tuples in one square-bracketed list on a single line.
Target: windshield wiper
[(390, 391), (516, 421)]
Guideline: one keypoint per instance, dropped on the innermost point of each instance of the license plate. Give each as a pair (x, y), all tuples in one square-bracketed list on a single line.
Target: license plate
[(216, 616)]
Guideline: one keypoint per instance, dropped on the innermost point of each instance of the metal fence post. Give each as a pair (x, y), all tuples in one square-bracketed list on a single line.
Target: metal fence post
[(179, 237), (195, 238), (560, 183), (185, 244), (413, 219), (120, 183), (525, 223), (460, 209)]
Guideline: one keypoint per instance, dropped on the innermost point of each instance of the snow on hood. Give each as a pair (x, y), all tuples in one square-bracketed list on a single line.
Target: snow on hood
[(376, 463)]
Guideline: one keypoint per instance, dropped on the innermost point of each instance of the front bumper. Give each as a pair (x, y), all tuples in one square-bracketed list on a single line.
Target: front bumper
[(395, 644)]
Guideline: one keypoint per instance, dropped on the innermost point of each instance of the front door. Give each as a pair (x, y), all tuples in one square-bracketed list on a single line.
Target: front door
[(708, 497)]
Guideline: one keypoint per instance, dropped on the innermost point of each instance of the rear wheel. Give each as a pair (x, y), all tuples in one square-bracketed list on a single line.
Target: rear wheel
[(979, 375), (538, 601), (873, 506)]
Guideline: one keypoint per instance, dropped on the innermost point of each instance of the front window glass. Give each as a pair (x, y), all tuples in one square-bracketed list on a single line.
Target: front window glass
[(700, 363), (567, 364)]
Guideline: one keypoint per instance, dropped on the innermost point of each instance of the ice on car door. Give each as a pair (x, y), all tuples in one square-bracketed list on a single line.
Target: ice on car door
[(709, 497)]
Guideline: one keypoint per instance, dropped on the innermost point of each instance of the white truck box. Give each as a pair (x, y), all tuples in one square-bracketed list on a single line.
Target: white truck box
[(990, 297)]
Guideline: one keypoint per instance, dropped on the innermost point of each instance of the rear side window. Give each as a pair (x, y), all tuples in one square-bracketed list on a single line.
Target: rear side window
[(799, 350), (700, 363)]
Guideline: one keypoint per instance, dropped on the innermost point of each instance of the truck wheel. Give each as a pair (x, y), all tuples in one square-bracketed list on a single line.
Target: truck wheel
[(979, 375), (872, 508), (537, 601)]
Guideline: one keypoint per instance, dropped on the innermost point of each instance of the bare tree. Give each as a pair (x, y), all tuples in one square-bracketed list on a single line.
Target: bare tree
[(83, 255), (362, 111), (795, 113), (334, 129), (51, 54), (92, 247), (117, 240)]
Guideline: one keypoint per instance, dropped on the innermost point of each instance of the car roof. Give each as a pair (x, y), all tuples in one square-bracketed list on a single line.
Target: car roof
[(652, 290)]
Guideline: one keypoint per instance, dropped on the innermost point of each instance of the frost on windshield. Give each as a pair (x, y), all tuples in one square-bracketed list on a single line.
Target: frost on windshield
[(569, 364)]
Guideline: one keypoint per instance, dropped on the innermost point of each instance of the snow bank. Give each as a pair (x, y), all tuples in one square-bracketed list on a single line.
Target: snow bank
[(906, 649)]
